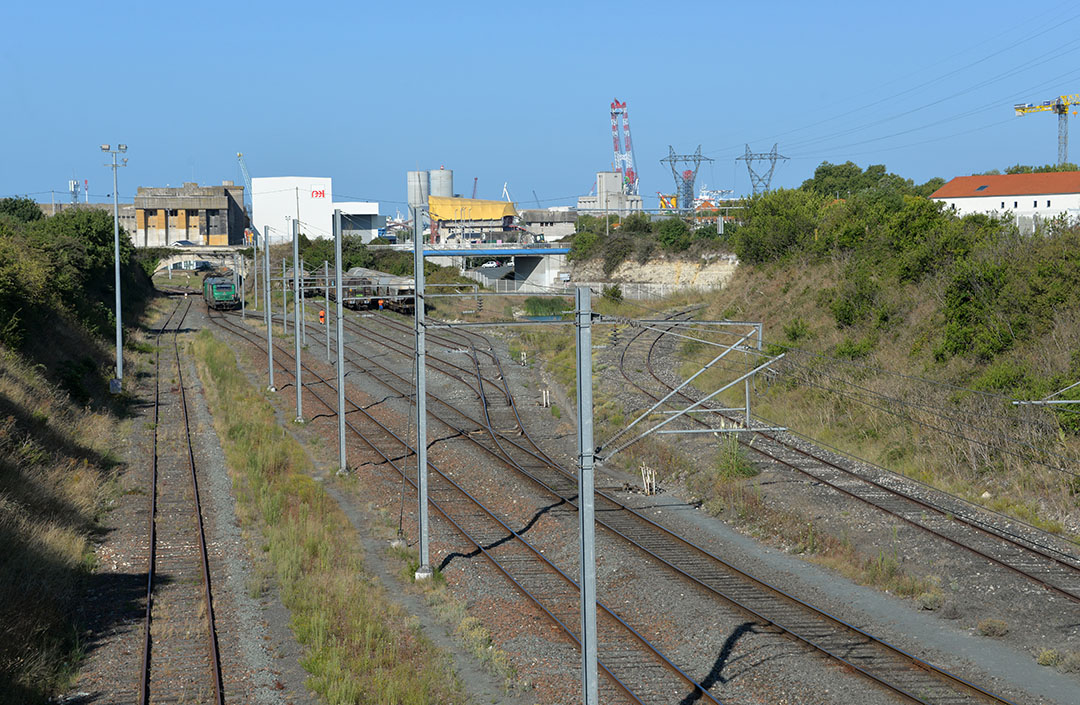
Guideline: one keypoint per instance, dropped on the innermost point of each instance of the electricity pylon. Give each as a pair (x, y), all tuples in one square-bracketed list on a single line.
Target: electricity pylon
[(760, 182)]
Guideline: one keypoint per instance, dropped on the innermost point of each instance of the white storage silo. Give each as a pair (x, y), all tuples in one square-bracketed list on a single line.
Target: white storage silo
[(442, 182), (417, 188)]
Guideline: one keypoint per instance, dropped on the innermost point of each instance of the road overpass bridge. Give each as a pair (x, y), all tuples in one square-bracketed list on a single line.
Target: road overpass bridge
[(220, 256), (537, 264)]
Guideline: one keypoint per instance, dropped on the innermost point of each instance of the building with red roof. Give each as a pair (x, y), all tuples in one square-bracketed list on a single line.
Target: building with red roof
[(1027, 197)]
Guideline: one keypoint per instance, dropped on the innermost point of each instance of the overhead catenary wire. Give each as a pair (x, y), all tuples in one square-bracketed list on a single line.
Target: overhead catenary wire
[(955, 434), (933, 411), (938, 76)]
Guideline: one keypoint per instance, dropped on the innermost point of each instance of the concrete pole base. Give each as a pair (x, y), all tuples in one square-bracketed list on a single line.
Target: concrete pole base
[(271, 389), (299, 420), (343, 472), (397, 543), (424, 572)]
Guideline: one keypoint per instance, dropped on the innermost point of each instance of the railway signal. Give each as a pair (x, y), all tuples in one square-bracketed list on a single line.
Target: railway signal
[(322, 316)]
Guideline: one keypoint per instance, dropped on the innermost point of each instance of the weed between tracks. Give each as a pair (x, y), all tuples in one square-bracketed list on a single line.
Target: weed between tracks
[(452, 611), (360, 646)]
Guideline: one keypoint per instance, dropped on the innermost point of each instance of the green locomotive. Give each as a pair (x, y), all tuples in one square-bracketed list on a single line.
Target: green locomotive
[(220, 293)]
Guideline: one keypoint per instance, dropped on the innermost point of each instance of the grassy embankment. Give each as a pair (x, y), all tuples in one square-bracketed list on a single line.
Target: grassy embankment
[(885, 386), (56, 472), (360, 647), (914, 422), (57, 424)]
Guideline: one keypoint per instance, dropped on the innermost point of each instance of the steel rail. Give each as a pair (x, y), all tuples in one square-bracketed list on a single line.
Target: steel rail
[(930, 669), (952, 517), (214, 655), (144, 673), (697, 689)]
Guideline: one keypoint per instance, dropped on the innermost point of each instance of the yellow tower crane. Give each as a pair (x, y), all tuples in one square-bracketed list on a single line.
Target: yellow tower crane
[(1059, 105)]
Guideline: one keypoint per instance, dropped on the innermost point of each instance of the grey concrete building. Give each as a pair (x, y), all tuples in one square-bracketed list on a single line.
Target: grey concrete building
[(204, 215), (126, 212), (550, 223)]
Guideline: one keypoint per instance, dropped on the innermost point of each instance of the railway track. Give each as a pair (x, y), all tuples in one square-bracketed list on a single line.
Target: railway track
[(632, 669), (945, 517), (891, 667), (180, 659)]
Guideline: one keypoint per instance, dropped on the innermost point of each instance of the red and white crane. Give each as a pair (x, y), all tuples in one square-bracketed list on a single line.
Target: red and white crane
[(624, 148)]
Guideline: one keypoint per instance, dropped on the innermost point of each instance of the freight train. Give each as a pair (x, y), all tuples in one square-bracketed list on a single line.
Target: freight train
[(363, 288)]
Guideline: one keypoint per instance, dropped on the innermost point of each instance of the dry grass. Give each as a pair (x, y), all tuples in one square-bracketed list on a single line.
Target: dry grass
[(55, 470), (978, 446), (360, 647), (993, 627)]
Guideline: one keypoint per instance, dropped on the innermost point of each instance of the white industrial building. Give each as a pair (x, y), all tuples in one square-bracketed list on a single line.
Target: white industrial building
[(277, 200), (1029, 198), (610, 197)]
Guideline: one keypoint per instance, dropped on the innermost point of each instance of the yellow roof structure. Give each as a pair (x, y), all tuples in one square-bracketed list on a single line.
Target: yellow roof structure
[(469, 209)]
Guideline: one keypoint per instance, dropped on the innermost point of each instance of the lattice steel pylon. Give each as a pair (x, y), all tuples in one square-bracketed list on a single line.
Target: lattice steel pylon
[(624, 157), (684, 182), (760, 182)]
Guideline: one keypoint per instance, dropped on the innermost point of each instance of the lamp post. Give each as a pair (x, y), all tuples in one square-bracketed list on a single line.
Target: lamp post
[(115, 384)]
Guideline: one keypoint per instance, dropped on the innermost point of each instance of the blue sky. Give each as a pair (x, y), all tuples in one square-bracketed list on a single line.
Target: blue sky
[(516, 93)]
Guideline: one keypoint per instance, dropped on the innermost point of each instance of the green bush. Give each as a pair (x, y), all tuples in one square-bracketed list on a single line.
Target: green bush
[(613, 293), (777, 223), (583, 244), (796, 330), (854, 300), (636, 224), (674, 234), (617, 250), (62, 267), (855, 349), (546, 306)]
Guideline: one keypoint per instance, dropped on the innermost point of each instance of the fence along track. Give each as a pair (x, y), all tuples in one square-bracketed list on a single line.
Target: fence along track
[(634, 668), (955, 523), (891, 667), (175, 667)]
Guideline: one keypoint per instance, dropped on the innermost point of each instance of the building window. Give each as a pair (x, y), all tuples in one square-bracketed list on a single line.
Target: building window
[(1003, 205), (1048, 203), (1016, 204), (1034, 204)]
